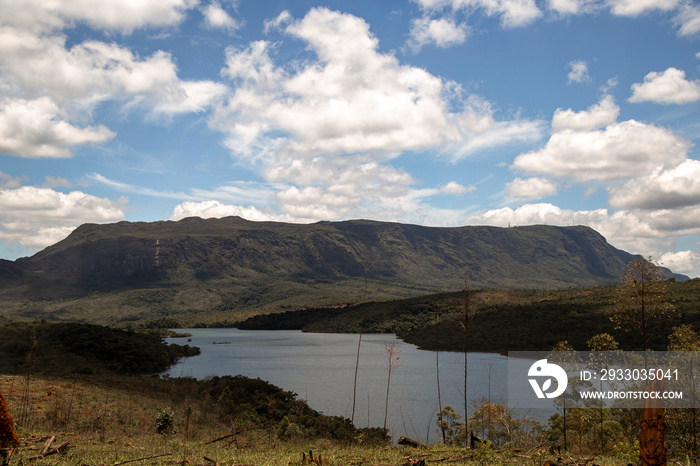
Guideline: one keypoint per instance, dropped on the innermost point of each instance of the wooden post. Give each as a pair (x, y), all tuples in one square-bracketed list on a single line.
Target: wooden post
[(652, 436)]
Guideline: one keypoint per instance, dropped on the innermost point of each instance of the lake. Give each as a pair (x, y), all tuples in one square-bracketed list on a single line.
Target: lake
[(320, 368)]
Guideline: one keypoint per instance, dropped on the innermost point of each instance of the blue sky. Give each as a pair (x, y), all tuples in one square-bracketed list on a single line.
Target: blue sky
[(434, 112)]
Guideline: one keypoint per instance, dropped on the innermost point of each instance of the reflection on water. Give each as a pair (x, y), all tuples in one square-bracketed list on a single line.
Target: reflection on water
[(320, 369)]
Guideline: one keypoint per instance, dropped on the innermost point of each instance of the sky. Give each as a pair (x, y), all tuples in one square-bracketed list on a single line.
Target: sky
[(430, 112)]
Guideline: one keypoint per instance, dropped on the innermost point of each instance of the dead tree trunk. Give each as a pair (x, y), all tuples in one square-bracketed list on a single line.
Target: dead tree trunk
[(652, 436)]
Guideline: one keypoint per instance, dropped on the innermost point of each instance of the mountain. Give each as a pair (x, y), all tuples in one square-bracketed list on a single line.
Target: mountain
[(229, 268)]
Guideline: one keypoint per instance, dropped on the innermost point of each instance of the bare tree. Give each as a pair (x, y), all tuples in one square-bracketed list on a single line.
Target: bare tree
[(368, 266), (468, 317), (597, 344), (392, 362), (563, 352), (437, 371)]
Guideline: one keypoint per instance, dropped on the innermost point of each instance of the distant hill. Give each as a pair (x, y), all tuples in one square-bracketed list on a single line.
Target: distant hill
[(503, 320), (198, 270)]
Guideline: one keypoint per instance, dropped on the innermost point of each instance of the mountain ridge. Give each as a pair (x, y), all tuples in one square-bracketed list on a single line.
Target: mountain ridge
[(233, 265)]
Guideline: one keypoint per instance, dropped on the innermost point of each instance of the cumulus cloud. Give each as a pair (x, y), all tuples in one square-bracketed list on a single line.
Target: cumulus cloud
[(112, 15), (685, 262), (38, 217), (51, 91), (579, 72), (455, 188), (638, 7), (9, 181), (628, 149), (513, 13), (327, 129), (669, 87), (674, 188), (603, 114), (573, 7), (353, 99), (688, 20), (277, 23), (91, 72), (216, 17), (38, 129), (442, 32), (530, 188), (216, 209), (340, 187)]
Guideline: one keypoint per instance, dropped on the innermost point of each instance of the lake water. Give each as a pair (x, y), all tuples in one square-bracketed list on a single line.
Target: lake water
[(320, 369)]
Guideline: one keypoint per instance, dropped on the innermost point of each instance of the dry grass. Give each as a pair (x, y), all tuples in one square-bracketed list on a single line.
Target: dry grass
[(108, 424)]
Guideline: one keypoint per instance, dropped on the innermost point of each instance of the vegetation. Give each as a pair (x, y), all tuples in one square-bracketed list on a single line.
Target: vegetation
[(218, 271), (641, 301), (514, 316), (77, 381), (235, 420), (119, 419), (67, 348), (109, 419)]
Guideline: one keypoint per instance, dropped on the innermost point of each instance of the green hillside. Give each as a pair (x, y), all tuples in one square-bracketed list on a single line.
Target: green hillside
[(504, 320), (69, 348), (215, 270)]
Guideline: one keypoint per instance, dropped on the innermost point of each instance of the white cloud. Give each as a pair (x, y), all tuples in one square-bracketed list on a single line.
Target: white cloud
[(685, 262), (192, 97), (325, 130), (688, 20), (609, 85), (216, 17), (442, 32), (339, 187), (56, 182), (513, 13), (638, 7), (114, 15), (621, 150), (10, 182), (528, 214), (603, 114), (669, 87), (579, 72), (664, 189), (93, 72), (351, 100), (674, 222), (573, 7), (38, 217), (530, 188), (51, 92), (37, 129), (215, 209), (253, 70), (277, 23), (455, 188)]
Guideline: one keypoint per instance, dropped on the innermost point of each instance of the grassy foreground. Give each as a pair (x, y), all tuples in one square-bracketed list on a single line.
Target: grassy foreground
[(114, 421)]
